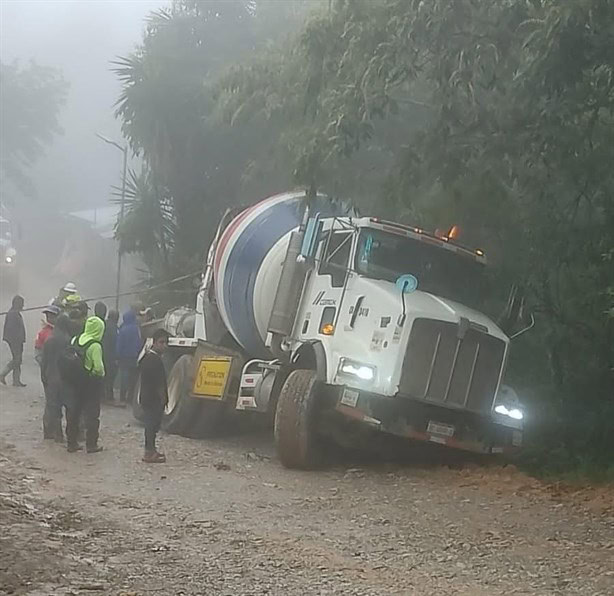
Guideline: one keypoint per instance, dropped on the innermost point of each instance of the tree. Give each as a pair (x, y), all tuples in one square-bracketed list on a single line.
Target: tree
[(148, 226), (169, 114), (31, 99)]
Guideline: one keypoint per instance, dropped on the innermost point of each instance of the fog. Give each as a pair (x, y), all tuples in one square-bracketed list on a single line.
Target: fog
[(77, 171), (81, 38)]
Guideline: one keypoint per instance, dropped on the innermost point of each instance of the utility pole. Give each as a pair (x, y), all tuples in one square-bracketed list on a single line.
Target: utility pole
[(124, 150)]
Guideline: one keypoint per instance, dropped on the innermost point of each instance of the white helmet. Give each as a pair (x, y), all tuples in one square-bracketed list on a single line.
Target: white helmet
[(70, 288)]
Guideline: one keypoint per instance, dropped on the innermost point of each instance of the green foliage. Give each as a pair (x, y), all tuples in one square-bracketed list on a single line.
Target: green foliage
[(508, 109), (148, 223), (496, 115), (169, 114), (31, 98)]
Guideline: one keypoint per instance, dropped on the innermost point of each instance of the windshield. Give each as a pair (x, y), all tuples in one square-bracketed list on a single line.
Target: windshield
[(385, 256)]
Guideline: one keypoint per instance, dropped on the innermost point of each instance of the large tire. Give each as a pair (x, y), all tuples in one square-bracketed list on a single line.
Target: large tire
[(297, 442), (182, 410), (137, 410)]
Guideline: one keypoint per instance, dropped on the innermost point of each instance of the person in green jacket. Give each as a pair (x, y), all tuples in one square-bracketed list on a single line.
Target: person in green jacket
[(87, 393)]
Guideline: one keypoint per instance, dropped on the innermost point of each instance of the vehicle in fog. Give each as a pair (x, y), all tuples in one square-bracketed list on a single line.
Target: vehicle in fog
[(9, 266), (324, 320)]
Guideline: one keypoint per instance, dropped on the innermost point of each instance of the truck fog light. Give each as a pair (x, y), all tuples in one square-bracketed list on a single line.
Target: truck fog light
[(361, 371), (8, 259)]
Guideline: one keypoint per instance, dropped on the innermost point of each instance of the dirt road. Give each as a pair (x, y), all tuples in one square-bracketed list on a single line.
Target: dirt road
[(222, 517)]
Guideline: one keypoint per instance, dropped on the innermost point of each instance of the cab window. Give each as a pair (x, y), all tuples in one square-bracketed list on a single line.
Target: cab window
[(336, 259)]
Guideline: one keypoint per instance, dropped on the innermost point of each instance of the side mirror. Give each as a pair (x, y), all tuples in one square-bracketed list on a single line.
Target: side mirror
[(407, 283), (310, 237), (515, 315)]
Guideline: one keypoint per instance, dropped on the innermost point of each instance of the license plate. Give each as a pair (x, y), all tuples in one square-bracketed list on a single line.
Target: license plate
[(438, 428), (211, 377), (349, 398)]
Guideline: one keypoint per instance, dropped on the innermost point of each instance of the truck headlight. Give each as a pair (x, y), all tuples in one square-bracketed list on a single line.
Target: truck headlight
[(8, 259), (514, 413), (352, 368)]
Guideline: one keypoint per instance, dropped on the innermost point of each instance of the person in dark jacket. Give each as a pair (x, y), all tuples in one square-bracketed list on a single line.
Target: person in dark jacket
[(15, 336), (109, 354), (56, 391), (153, 396), (100, 310), (129, 345)]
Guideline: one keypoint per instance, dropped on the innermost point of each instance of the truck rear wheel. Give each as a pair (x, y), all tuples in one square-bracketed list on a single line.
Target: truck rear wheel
[(182, 409), (296, 439), (137, 410)]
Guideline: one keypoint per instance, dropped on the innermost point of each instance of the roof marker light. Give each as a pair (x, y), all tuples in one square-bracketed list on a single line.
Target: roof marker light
[(453, 233)]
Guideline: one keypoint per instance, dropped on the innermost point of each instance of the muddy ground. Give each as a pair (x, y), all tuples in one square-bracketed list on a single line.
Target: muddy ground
[(223, 517)]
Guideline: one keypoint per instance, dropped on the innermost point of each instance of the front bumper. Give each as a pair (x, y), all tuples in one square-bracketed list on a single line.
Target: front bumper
[(420, 421)]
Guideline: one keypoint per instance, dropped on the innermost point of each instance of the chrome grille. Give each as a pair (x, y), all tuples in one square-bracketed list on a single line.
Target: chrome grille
[(455, 365)]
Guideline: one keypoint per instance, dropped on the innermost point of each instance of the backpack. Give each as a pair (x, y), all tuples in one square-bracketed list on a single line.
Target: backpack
[(71, 362)]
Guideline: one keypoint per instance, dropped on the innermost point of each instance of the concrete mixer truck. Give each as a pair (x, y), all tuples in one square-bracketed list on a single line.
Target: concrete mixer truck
[(325, 320)]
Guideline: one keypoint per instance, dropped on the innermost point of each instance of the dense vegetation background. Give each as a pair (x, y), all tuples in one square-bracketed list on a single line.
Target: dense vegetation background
[(496, 115)]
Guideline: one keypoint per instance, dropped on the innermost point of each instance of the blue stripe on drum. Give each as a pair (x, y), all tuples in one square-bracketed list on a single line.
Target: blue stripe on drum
[(247, 253), (241, 270)]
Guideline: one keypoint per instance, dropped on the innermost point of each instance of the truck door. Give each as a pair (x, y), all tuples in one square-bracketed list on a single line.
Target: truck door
[(326, 284)]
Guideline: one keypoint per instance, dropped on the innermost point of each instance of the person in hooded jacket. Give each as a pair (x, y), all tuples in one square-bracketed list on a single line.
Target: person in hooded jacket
[(56, 391), (109, 354), (14, 334), (85, 397), (129, 345), (51, 313)]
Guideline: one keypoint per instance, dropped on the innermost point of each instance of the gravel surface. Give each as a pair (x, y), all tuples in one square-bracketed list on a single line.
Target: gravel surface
[(223, 517)]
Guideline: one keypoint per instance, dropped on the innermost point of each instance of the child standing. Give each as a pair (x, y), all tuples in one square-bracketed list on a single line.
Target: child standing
[(154, 394)]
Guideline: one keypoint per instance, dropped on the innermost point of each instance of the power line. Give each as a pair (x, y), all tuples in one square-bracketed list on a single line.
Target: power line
[(156, 287)]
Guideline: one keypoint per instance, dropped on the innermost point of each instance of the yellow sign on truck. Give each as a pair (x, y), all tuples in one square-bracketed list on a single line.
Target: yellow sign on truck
[(211, 377)]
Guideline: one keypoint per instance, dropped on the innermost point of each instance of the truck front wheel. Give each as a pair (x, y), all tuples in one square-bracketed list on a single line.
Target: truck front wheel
[(182, 409), (296, 439)]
